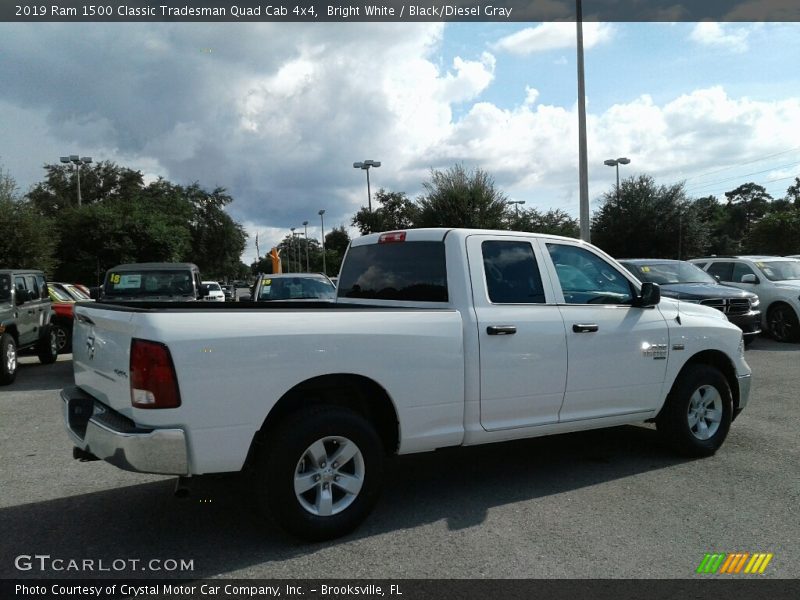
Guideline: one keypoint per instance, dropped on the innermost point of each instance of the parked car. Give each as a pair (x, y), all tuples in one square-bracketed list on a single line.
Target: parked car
[(25, 314), (170, 282), (74, 291), (775, 279), (215, 293), (684, 281), (437, 337), (61, 321), (293, 287)]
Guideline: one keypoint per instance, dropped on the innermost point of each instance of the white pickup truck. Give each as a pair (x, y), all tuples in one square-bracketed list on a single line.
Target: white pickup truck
[(438, 337)]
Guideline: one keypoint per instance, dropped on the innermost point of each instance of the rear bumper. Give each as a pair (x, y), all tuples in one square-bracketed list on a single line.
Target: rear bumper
[(112, 437)]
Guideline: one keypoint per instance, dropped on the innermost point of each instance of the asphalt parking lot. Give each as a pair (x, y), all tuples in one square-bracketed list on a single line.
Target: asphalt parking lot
[(603, 504)]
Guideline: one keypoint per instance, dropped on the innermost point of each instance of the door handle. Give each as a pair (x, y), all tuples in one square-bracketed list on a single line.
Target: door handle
[(501, 330), (584, 327)]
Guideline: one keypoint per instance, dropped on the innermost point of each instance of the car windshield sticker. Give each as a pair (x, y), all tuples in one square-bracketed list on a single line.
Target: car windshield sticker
[(125, 282), (645, 269)]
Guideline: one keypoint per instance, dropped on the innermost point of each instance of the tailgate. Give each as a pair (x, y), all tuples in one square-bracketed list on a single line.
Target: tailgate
[(101, 346)]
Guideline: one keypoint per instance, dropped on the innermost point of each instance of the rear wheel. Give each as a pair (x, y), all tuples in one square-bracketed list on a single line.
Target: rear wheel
[(697, 414), (783, 324), (320, 472), (8, 359), (63, 338), (47, 348)]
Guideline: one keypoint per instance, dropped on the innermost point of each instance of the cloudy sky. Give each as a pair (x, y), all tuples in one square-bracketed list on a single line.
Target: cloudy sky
[(278, 113)]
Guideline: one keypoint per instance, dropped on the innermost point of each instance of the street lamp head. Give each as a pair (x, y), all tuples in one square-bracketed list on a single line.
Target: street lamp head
[(623, 161), (292, 229), (358, 165), (74, 158), (322, 212), (65, 159), (86, 160), (305, 223), (610, 162)]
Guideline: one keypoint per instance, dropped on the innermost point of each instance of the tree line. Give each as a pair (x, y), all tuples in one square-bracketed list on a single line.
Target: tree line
[(122, 219)]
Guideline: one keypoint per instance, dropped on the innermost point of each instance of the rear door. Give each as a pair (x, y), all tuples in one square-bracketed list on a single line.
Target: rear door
[(522, 343), (617, 352)]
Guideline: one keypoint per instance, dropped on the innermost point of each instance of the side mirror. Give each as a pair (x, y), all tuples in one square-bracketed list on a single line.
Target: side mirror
[(95, 293), (749, 278), (650, 295), (717, 278), (204, 290)]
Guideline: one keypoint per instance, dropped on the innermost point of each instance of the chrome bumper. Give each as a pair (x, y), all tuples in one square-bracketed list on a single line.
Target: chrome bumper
[(744, 390), (108, 435)]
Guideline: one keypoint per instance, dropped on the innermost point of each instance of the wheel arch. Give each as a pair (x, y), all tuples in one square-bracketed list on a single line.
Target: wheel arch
[(721, 362), (12, 331), (361, 394)]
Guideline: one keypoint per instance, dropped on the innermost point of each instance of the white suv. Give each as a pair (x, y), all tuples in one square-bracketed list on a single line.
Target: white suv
[(215, 293), (775, 279)]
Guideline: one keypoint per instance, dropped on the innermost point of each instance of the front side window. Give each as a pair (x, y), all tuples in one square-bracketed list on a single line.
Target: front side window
[(780, 270), (740, 270), (512, 275), (588, 279), (723, 270)]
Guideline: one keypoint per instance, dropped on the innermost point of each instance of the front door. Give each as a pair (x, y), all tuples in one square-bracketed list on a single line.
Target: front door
[(617, 352)]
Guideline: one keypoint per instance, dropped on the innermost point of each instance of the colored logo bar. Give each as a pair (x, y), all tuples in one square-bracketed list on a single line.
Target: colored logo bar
[(734, 563)]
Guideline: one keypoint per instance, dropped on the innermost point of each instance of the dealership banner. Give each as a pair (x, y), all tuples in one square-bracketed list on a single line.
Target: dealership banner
[(397, 589), (394, 10)]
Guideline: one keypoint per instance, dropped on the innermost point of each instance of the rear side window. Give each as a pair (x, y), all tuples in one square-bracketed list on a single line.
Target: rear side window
[(512, 275), (165, 282), (413, 271)]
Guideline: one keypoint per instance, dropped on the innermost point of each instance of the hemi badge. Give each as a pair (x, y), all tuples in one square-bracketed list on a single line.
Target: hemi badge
[(678, 347)]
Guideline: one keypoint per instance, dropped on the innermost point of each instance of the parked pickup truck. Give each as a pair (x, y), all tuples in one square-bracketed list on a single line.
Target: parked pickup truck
[(437, 338)]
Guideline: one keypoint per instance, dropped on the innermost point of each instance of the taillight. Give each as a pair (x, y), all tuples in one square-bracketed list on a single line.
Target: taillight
[(392, 236), (152, 376)]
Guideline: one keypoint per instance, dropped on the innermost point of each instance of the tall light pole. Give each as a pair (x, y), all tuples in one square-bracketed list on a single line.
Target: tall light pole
[(305, 229), (299, 257), (77, 163), (322, 229), (583, 164), (365, 165), (516, 203), (291, 246), (616, 162)]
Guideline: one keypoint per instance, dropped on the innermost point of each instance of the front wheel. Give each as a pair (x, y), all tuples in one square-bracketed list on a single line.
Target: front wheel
[(697, 414), (783, 323), (320, 472), (8, 359), (47, 348)]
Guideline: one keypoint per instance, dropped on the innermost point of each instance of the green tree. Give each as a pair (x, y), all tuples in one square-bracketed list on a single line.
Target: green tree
[(747, 204), (395, 210), (336, 242), (777, 233), (459, 197), (555, 222), (648, 220), (27, 239), (793, 193)]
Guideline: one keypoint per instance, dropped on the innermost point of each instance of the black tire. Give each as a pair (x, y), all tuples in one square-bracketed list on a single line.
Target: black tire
[(688, 427), (783, 324), (8, 359), (63, 338), (284, 460), (47, 348)]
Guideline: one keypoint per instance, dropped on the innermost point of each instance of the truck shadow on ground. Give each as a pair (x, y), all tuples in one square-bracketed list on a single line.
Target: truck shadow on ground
[(32, 376), (218, 526)]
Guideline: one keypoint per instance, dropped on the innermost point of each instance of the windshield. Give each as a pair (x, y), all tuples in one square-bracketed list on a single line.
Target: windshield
[(296, 288), (212, 286), (162, 282), (76, 293), (59, 295), (665, 273), (780, 270)]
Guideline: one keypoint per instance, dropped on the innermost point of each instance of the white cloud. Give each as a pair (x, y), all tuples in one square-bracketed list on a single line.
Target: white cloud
[(553, 36), (719, 35)]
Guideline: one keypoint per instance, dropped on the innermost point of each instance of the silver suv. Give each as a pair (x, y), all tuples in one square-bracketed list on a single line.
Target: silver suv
[(775, 279)]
